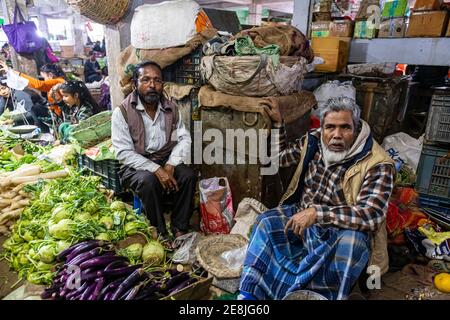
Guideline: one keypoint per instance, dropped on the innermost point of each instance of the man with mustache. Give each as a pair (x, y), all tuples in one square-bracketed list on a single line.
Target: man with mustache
[(152, 143), (330, 224)]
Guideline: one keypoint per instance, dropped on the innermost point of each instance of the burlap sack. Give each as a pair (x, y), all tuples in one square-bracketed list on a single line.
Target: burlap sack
[(253, 76), (130, 56), (292, 107), (292, 42)]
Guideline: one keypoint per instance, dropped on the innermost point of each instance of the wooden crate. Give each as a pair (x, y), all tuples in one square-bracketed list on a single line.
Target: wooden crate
[(334, 50), (196, 291)]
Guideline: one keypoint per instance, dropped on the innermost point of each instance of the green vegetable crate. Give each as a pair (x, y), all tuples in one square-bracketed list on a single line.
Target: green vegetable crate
[(106, 169)]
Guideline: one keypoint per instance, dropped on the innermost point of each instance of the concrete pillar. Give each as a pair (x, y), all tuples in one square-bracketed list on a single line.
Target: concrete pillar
[(21, 63), (302, 15), (112, 41), (78, 29)]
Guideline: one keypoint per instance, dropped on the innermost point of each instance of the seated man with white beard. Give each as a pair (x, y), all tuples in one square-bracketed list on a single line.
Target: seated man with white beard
[(331, 218)]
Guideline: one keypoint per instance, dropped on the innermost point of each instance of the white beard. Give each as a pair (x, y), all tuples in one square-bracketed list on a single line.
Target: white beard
[(331, 157)]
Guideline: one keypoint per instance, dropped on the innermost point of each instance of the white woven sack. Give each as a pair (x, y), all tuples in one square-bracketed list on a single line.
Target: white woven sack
[(163, 25)]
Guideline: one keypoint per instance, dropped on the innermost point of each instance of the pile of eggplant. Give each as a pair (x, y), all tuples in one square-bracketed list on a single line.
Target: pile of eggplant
[(92, 270)]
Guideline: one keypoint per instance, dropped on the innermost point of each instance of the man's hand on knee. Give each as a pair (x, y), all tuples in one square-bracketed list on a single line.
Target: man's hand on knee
[(167, 180), (300, 221), (171, 170)]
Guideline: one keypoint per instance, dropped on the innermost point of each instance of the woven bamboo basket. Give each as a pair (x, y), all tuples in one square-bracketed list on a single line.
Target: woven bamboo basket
[(101, 11), (208, 253)]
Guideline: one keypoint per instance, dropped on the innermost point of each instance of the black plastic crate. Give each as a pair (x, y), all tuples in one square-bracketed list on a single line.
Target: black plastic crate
[(433, 172), (438, 125), (186, 70), (106, 169), (437, 204)]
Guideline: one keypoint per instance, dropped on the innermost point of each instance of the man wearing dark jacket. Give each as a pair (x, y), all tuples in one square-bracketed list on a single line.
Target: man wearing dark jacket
[(92, 70)]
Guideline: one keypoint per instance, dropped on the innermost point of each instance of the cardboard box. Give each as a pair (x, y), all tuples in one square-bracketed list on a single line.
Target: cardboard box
[(67, 51), (392, 28), (427, 24), (322, 16), (448, 30), (364, 30), (342, 28), (320, 29), (364, 11), (322, 6), (334, 51), (421, 5), (394, 9)]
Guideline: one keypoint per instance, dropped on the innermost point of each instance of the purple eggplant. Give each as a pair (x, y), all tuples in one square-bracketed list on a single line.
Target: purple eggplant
[(116, 264), (108, 296), (84, 247), (182, 285), (111, 286), (124, 271), (174, 281), (77, 260), (100, 261), (133, 292), (88, 291), (128, 283), (63, 254), (89, 276), (99, 285), (78, 291)]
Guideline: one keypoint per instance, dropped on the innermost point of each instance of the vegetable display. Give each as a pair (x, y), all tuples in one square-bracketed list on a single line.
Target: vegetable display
[(64, 212), (93, 271), (13, 199)]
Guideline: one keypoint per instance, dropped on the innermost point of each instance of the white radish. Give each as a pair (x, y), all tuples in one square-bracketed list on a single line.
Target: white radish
[(48, 175)]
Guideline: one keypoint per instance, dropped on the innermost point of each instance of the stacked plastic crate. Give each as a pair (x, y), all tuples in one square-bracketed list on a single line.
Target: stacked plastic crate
[(433, 173)]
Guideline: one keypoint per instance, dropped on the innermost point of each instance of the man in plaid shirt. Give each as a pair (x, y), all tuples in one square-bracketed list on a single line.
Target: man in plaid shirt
[(320, 237)]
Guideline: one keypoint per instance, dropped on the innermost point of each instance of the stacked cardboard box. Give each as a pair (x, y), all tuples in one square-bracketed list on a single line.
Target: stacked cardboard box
[(393, 19), (365, 22)]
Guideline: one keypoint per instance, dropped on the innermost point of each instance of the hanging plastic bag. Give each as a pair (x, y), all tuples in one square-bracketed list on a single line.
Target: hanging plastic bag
[(216, 206), (14, 81)]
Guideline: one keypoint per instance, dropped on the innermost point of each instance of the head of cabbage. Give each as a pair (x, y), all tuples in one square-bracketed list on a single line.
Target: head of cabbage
[(62, 230), (60, 213), (47, 253), (153, 253)]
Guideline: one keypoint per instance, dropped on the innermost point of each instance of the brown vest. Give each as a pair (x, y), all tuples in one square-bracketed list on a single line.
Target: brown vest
[(133, 118)]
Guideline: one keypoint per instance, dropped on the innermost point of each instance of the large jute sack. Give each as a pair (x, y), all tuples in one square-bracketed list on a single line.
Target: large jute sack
[(253, 76), (292, 42), (131, 56)]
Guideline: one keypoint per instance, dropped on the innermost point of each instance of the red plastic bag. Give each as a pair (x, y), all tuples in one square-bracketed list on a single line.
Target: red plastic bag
[(216, 206)]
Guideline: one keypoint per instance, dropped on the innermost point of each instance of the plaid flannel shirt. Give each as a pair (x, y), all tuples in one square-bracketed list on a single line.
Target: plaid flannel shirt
[(323, 189)]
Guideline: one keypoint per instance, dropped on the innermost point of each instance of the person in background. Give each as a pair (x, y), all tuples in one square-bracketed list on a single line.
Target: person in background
[(80, 105), (97, 47), (52, 75), (6, 53), (29, 98), (105, 96), (92, 72)]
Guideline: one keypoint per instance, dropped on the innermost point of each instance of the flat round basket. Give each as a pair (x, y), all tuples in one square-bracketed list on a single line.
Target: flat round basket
[(101, 11), (209, 249)]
